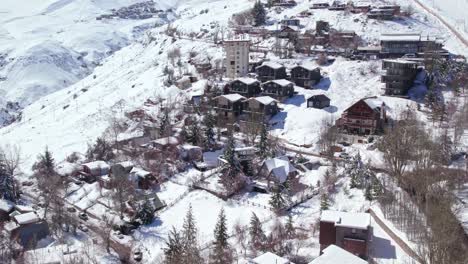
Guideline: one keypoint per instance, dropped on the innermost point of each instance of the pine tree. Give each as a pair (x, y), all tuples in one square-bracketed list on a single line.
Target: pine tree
[(164, 123), (101, 150), (377, 188), (290, 230), (324, 204), (259, 14), (353, 181), (368, 193), (146, 213), (45, 164), (229, 154), (194, 134), (277, 201), (256, 232), (262, 146), (173, 252), (8, 186), (221, 253), (209, 123), (191, 252)]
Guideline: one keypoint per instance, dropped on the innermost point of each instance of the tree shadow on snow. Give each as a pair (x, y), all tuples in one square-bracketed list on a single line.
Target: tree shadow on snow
[(383, 249), (277, 122), (324, 84)]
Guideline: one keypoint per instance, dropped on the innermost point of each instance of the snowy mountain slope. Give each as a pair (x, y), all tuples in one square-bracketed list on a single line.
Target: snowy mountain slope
[(454, 11), (52, 44)]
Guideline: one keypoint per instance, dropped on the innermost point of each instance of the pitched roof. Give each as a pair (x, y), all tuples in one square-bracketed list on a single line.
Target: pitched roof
[(373, 103), (271, 64), (233, 97), (167, 141), (333, 255), (27, 218), (400, 37), (346, 219), (265, 100), (280, 167), (319, 97), (98, 164), (270, 258), (247, 81), (307, 66), (282, 82), (6, 205)]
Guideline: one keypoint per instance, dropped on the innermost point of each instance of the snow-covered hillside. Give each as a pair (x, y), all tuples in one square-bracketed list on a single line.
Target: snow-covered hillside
[(48, 45)]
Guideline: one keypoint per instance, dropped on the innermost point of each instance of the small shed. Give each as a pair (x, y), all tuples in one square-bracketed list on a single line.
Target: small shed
[(319, 101), (96, 168), (277, 170)]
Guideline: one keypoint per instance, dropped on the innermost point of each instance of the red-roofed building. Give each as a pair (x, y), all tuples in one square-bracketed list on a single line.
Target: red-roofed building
[(365, 117)]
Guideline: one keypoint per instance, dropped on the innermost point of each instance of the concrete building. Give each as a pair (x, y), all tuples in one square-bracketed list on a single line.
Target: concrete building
[(237, 57), (399, 76)]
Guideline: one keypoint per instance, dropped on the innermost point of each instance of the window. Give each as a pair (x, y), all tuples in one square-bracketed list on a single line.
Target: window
[(353, 231)]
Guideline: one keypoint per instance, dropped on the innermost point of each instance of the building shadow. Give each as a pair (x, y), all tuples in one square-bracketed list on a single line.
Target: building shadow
[(296, 100), (383, 249), (277, 122), (324, 84)]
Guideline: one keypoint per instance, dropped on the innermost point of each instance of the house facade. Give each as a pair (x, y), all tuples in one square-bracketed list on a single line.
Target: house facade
[(305, 76), (318, 101), (276, 171), (399, 76), (365, 117), (278, 89), (265, 106), (237, 58), (228, 107), (247, 87), (270, 71), (335, 255), (349, 231), (406, 43)]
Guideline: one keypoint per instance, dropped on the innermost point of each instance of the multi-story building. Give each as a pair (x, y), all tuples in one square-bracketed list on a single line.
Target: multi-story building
[(399, 76), (407, 43), (365, 117), (237, 57), (247, 87), (349, 231)]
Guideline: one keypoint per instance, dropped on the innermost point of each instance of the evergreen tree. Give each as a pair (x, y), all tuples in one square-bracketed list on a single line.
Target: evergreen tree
[(221, 253), (377, 188), (191, 252), (290, 230), (229, 154), (277, 201), (209, 123), (256, 232), (368, 193), (45, 164), (259, 14), (173, 252), (8, 186), (146, 212), (194, 134), (353, 181), (324, 203), (262, 146), (101, 150), (164, 122)]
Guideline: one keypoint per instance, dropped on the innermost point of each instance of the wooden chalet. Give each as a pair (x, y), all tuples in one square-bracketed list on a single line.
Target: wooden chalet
[(349, 231), (278, 89), (263, 106), (305, 75), (365, 117), (337, 6), (290, 22), (334, 255), (361, 7), (247, 87), (319, 101), (320, 5), (289, 32), (271, 71), (276, 171), (228, 106)]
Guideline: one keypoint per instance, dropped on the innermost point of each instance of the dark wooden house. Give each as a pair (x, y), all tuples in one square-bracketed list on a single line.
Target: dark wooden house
[(349, 231), (229, 106), (305, 75), (247, 87), (263, 105), (319, 101), (271, 71), (289, 32), (278, 89), (365, 117)]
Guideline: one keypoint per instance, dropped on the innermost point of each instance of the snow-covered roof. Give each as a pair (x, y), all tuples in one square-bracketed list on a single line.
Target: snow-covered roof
[(138, 172), (265, 100), (334, 255), (270, 258), (346, 219), (282, 82), (373, 103), (127, 135), (233, 97), (402, 61), (23, 208), (401, 37), (320, 97), (245, 149), (98, 164), (271, 64), (27, 218), (246, 80), (126, 164), (6, 205), (167, 141), (280, 167), (361, 4), (308, 66)]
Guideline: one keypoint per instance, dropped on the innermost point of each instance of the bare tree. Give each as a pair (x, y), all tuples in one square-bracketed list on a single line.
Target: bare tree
[(11, 157), (328, 137)]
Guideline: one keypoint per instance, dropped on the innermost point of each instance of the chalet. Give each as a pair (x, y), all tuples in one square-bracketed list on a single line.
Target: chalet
[(333, 254), (269, 258), (244, 156), (191, 153), (384, 14), (270, 71), (371, 52), (290, 22), (289, 32), (349, 231), (365, 117), (407, 43), (276, 171), (395, 9), (247, 87), (6, 207), (344, 39), (285, 3), (278, 89), (337, 6), (228, 106), (319, 101), (263, 105), (27, 229), (143, 179), (92, 170), (399, 76), (305, 75), (320, 5), (361, 7), (305, 13)]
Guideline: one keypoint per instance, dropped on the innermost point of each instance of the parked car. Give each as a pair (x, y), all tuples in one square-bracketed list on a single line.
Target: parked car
[(83, 216), (83, 228), (137, 255)]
